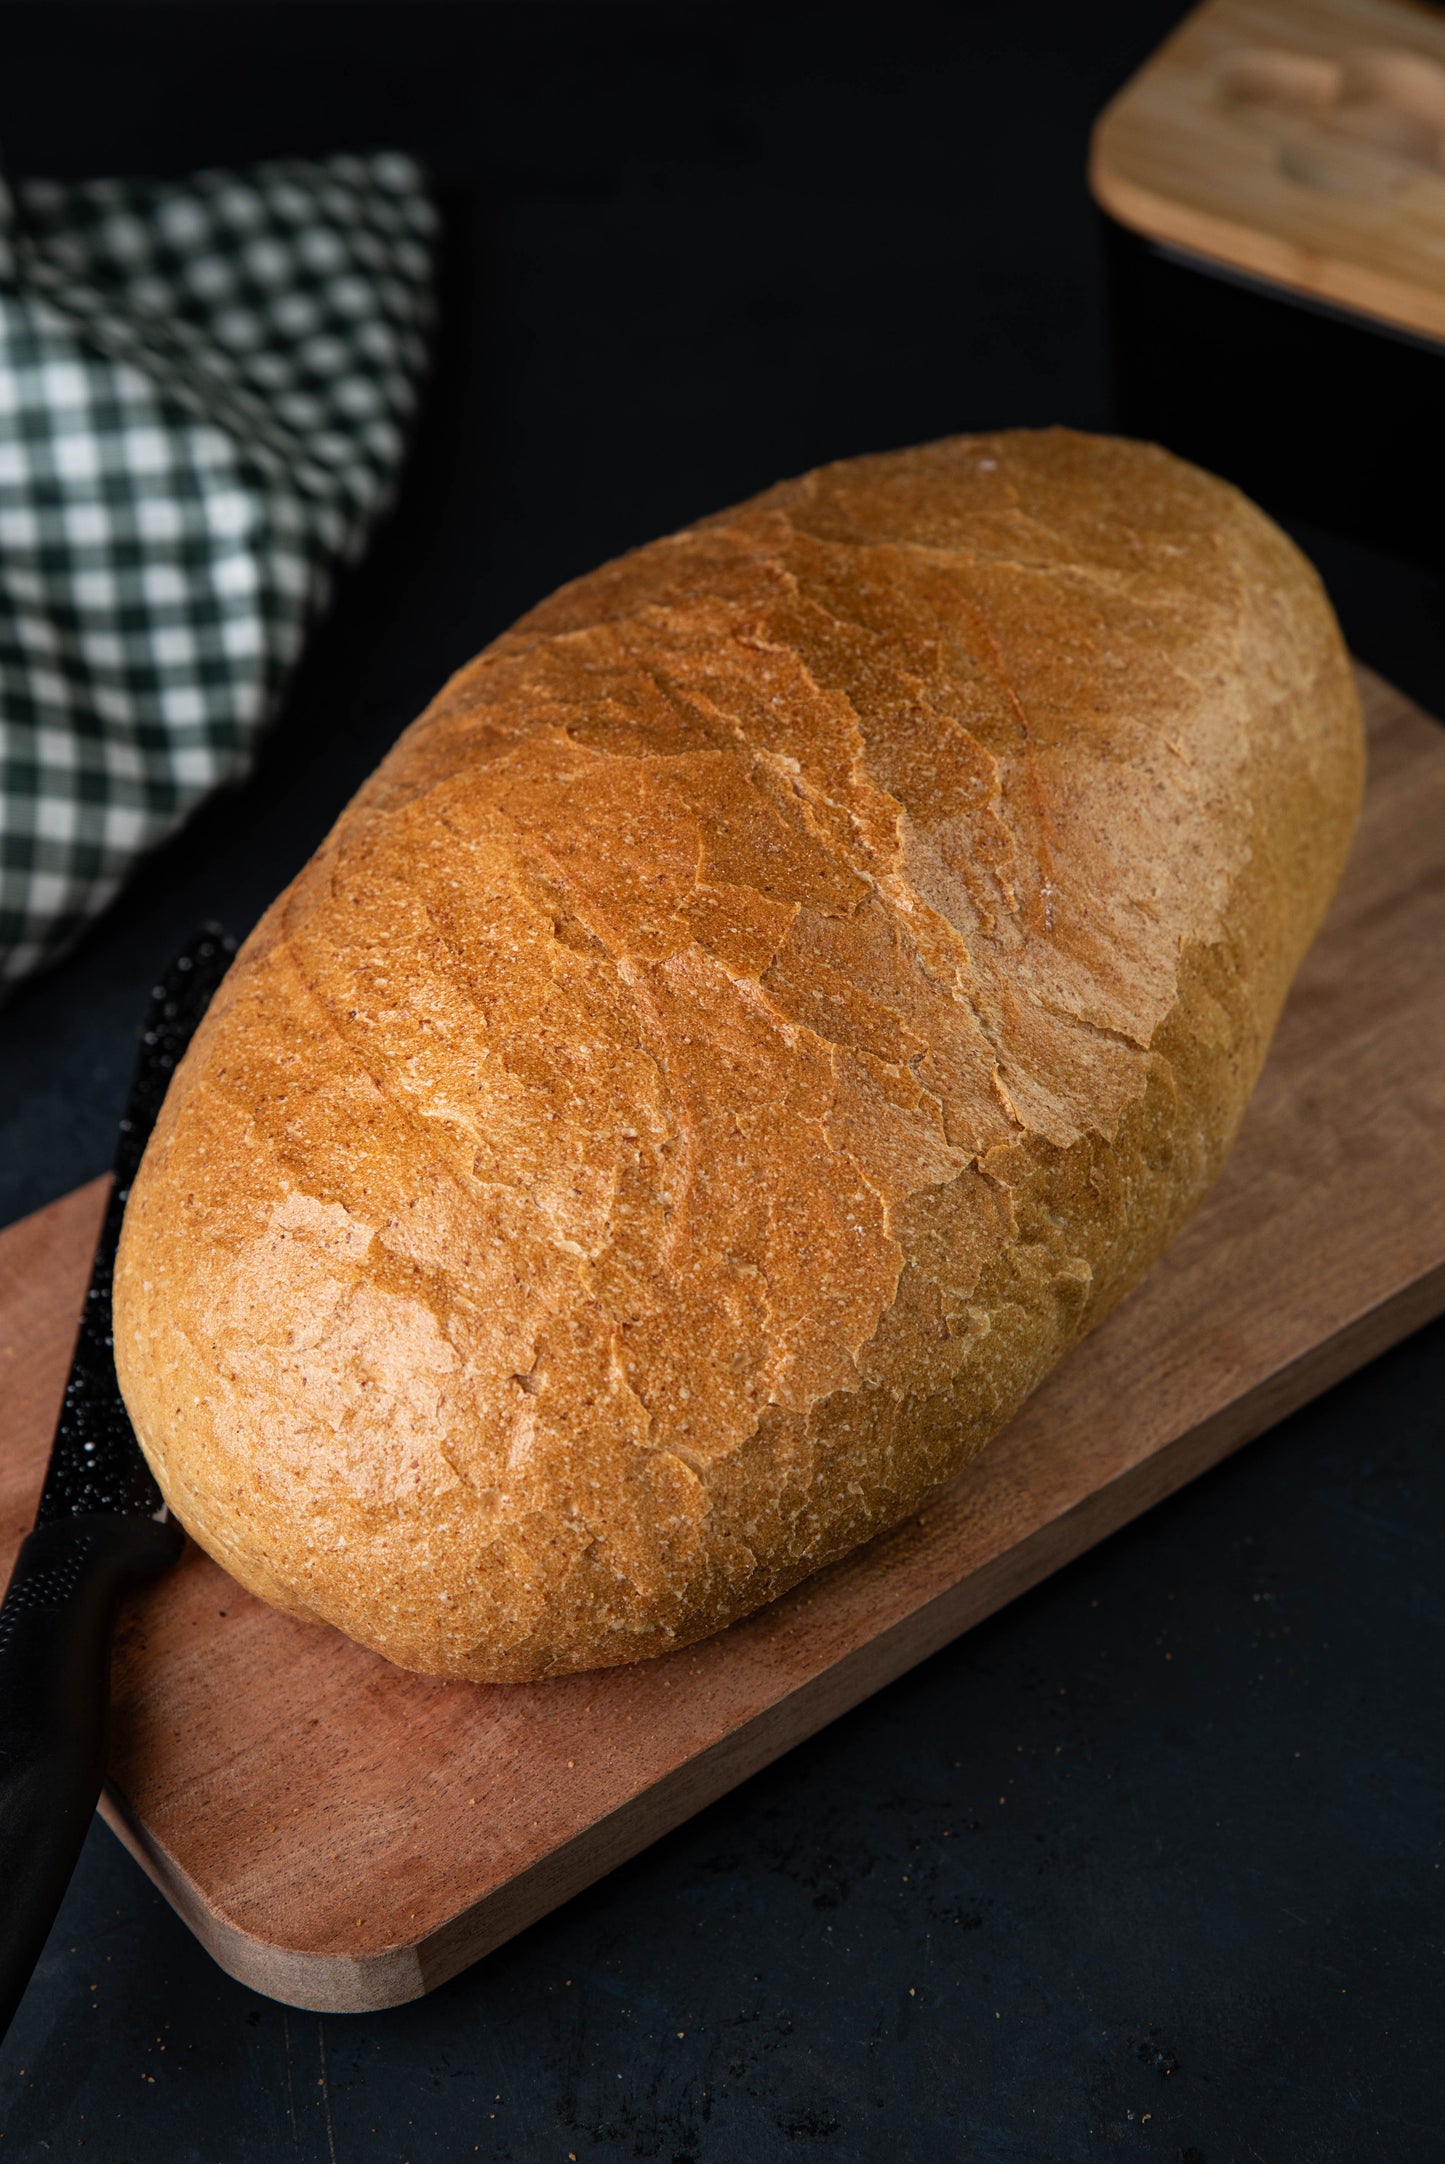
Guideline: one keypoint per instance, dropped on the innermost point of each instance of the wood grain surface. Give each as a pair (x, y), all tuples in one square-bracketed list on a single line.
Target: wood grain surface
[(344, 1836), (1300, 141)]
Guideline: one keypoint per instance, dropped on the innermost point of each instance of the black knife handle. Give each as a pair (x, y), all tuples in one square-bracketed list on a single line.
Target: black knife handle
[(55, 1632)]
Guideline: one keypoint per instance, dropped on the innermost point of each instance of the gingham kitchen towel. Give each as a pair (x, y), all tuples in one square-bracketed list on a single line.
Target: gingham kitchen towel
[(205, 387)]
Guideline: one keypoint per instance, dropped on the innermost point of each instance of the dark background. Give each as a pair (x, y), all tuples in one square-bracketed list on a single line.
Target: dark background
[(1149, 1864)]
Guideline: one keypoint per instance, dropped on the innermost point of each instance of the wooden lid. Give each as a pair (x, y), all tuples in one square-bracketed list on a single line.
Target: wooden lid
[(1300, 141)]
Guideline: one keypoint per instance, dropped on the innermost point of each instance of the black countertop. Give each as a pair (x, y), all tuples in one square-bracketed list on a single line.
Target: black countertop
[(1151, 1863)]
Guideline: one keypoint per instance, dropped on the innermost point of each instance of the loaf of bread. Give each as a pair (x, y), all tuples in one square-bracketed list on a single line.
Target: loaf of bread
[(771, 1005)]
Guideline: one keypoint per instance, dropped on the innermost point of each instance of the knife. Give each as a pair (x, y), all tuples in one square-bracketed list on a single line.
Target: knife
[(102, 1527)]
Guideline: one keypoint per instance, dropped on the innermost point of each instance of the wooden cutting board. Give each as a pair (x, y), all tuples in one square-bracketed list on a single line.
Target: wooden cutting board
[(344, 1836), (1301, 142)]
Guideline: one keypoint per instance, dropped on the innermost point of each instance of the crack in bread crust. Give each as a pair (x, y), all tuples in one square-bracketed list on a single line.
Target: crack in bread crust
[(770, 1006)]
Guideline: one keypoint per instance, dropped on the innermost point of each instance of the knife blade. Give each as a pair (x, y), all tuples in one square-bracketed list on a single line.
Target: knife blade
[(101, 1527)]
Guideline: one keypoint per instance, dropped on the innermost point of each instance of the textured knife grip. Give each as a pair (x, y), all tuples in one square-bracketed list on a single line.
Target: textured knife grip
[(55, 1632)]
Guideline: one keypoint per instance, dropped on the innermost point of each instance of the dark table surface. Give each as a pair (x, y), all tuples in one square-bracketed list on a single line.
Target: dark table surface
[(1151, 1863)]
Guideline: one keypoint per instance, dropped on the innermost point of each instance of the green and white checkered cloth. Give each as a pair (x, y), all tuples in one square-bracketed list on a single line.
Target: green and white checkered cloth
[(205, 387)]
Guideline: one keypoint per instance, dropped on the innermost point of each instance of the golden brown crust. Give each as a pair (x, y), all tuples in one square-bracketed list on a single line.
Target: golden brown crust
[(771, 1005)]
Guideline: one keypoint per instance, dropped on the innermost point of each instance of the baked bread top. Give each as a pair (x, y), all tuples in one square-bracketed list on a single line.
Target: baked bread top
[(773, 1002)]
